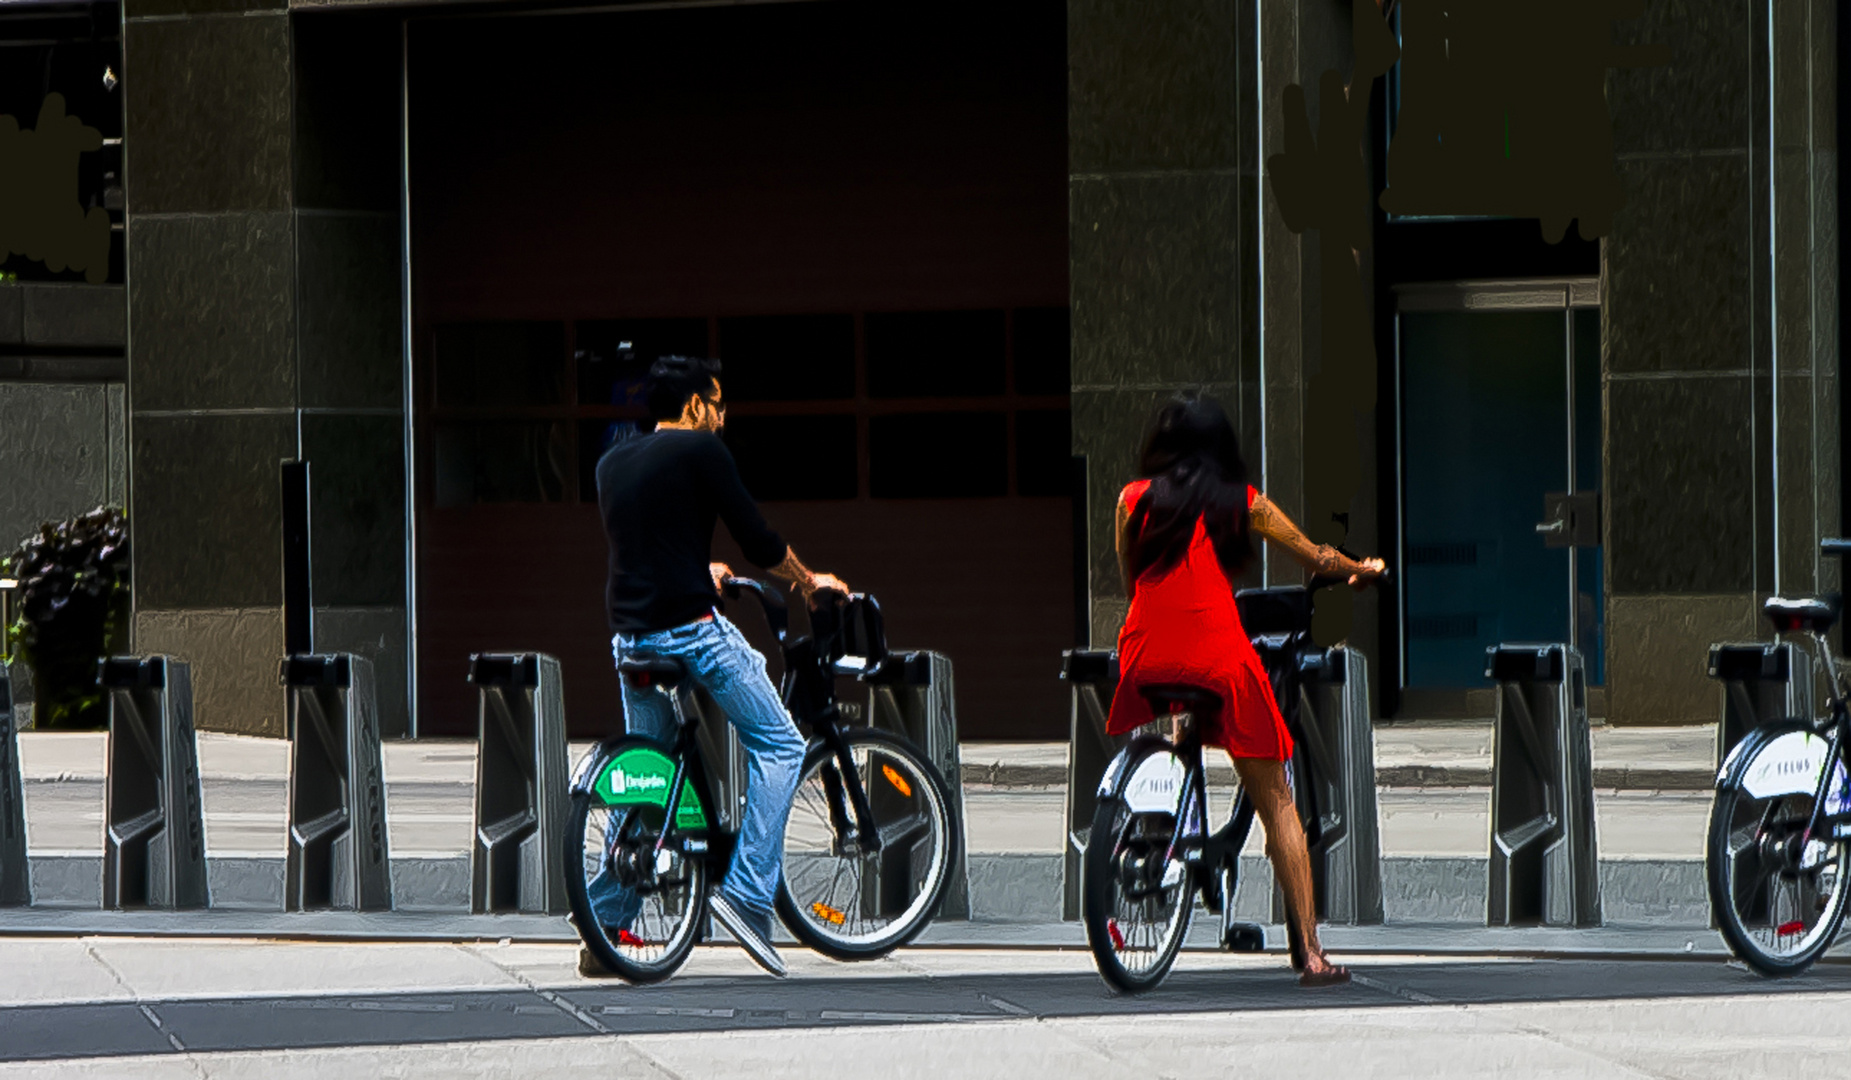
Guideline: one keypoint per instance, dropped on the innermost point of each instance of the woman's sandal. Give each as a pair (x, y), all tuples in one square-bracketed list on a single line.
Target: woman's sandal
[(1334, 975)]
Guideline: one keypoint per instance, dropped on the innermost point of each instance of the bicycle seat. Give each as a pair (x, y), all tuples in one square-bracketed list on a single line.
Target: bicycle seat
[(1814, 613), (1177, 697), (643, 671)]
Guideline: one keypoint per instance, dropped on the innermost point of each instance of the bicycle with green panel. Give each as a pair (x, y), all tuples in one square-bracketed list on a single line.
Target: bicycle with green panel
[(868, 846), (1778, 855)]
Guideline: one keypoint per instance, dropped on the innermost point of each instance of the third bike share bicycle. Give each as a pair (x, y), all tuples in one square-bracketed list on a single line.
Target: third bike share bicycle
[(868, 846), (1777, 856), (1149, 852)]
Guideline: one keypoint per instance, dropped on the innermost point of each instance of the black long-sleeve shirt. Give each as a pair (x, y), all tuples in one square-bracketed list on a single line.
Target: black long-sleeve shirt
[(659, 495)]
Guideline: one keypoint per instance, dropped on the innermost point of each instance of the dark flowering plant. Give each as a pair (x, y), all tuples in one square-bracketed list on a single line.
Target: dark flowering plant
[(70, 603)]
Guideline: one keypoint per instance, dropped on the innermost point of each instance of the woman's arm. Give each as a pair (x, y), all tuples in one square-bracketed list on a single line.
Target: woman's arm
[(1269, 521), (1121, 531)]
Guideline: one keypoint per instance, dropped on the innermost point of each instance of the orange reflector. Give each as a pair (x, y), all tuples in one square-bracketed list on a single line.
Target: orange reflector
[(896, 780), (828, 914)]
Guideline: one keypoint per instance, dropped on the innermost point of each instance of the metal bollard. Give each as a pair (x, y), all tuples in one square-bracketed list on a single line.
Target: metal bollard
[(1093, 676), (1545, 864), (911, 694), (1761, 682), (339, 855), (154, 836), (1336, 782), (521, 777), (15, 871)]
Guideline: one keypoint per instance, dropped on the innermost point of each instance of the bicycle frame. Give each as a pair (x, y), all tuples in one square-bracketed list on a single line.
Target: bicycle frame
[(1191, 841), (1839, 721)]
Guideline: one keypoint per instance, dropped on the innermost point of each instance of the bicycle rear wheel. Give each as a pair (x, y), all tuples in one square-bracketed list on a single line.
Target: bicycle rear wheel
[(1778, 902), (1136, 901), (640, 912), (837, 896)]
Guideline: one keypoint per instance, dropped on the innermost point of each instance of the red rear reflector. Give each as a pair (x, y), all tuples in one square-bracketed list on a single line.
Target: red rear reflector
[(1112, 931), (1788, 928)]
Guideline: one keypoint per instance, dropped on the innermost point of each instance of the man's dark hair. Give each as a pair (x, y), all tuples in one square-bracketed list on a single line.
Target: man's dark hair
[(673, 380)]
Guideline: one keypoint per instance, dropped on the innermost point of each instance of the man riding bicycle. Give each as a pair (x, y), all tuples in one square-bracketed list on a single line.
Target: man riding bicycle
[(659, 495)]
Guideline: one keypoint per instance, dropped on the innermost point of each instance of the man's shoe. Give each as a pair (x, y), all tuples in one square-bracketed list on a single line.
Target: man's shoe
[(590, 967), (746, 930)]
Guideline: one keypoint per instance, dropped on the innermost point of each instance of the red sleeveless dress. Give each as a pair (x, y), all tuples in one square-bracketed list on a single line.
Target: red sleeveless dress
[(1184, 628)]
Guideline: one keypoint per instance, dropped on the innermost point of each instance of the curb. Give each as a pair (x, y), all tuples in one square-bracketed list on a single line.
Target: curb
[(1621, 778)]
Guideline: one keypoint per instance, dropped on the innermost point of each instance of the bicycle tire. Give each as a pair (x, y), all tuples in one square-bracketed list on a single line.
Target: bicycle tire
[(586, 852), (1103, 869), (1730, 853), (820, 917)]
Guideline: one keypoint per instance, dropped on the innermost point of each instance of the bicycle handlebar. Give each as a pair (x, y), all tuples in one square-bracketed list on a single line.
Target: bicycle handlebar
[(776, 611)]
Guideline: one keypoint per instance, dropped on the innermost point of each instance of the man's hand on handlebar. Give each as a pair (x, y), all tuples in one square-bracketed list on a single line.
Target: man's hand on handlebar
[(720, 572), (822, 583)]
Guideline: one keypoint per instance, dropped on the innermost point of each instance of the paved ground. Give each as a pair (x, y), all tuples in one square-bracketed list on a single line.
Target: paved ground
[(188, 1008)]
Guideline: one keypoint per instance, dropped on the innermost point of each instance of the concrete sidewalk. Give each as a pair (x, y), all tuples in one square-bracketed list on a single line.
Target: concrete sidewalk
[(1425, 754), (1434, 838)]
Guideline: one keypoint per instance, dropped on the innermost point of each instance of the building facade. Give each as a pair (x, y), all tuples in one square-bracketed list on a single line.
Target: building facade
[(1553, 327)]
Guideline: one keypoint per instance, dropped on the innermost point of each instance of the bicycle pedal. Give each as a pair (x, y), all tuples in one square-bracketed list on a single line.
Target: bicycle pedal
[(1243, 937)]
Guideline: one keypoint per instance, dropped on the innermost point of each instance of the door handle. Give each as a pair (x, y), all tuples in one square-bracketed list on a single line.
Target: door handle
[(1552, 528)]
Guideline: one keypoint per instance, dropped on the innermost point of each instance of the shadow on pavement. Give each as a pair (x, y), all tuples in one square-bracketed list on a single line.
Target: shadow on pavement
[(715, 1004)]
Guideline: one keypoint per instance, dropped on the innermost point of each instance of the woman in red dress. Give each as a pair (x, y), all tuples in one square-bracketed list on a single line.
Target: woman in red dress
[(1184, 535)]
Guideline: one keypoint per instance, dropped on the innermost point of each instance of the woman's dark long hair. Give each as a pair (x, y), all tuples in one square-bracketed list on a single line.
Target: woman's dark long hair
[(1192, 459)]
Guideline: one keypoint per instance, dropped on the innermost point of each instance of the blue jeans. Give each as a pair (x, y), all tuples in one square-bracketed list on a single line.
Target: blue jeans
[(733, 673)]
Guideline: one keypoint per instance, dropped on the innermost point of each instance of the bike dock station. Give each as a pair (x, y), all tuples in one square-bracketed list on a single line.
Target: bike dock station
[(911, 695), (521, 778), (1323, 694), (15, 872), (338, 853), (1761, 682), (1091, 676), (1544, 867), (154, 841)]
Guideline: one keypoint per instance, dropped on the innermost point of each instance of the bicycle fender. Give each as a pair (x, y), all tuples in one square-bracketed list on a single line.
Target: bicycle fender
[(1151, 787), (585, 773), (1115, 769), (1774, 760)]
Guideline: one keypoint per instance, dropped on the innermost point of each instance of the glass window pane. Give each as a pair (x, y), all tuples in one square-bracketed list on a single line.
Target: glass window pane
[(935, 354), (502, 462), (788, 357), (606, 379), (938, 455), (794, 457), (1043, 452), (501, 363), (1042, 364)]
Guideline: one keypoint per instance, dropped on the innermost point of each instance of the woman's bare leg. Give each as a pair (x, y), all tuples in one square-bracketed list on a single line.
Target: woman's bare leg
[(1264, 781)]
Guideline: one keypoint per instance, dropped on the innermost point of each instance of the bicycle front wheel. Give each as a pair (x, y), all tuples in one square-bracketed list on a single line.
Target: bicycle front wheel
[(1778, 897), (1135, 899), (842, 896)]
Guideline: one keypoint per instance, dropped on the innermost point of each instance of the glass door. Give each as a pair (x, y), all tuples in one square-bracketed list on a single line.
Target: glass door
[(1500, 468)]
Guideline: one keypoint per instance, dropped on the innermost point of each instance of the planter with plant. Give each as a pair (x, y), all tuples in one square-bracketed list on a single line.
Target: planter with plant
[(69, 610)]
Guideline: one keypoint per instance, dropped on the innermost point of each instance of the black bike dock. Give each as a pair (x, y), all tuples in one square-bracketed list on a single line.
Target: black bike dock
[(338, 853), (1545, 864), (517, 861), (154, 837)]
